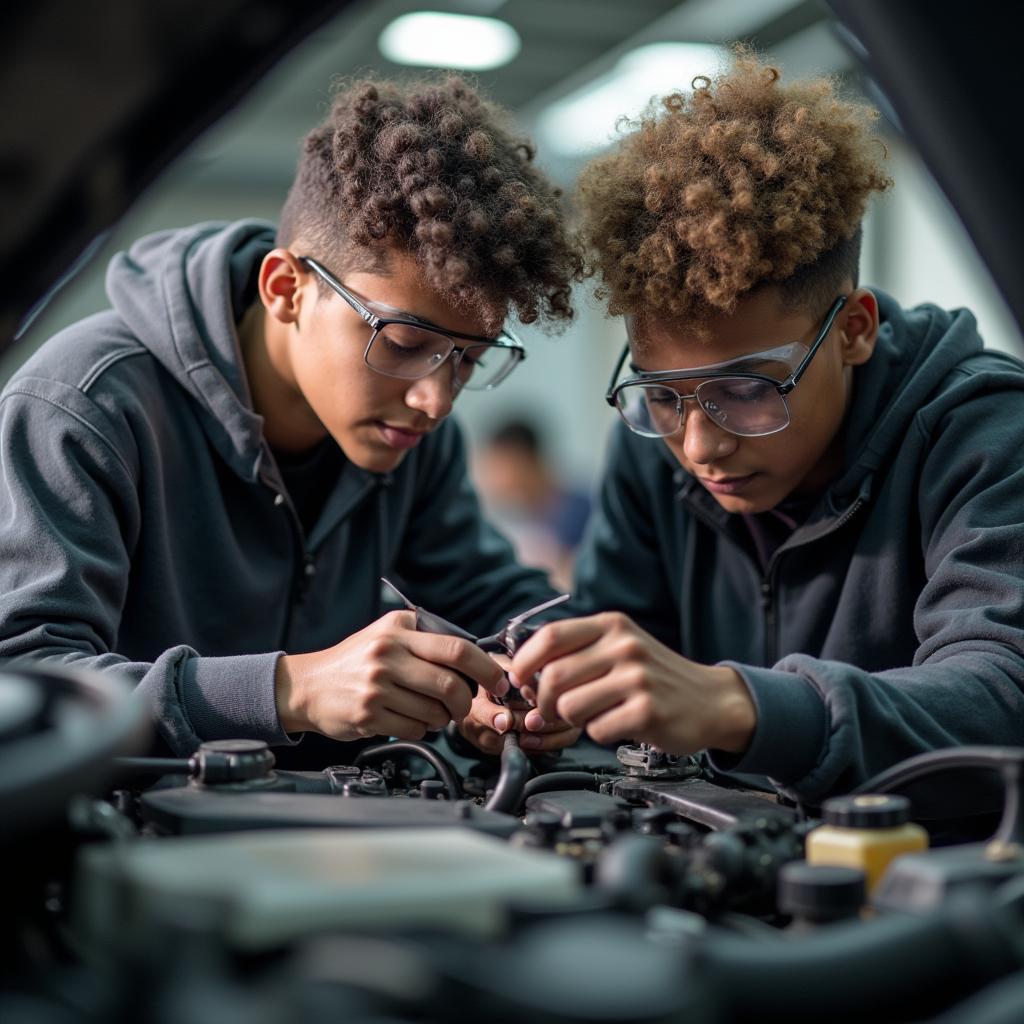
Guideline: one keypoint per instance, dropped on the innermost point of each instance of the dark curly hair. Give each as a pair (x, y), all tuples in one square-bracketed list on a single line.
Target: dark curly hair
[(433, 169), (750, 182)]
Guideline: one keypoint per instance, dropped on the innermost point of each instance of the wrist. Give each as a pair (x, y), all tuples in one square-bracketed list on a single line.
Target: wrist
[(736, 714), (288, 694)]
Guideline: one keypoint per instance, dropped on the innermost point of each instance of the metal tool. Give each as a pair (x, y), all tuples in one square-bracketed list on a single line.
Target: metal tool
[(507, 640)]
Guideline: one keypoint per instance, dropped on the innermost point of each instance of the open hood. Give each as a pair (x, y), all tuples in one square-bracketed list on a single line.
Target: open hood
[(98, 98)]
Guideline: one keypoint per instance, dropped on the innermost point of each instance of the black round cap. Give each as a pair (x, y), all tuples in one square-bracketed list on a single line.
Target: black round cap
[(867, 811), (820, 892)]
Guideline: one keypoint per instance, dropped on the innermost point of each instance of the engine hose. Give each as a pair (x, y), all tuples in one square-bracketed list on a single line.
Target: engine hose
[(444, 770), (512, 779), (555, 781), (849, 971)]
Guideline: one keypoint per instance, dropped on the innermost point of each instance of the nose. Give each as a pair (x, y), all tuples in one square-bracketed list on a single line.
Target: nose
[(703, 440), (433, 395)]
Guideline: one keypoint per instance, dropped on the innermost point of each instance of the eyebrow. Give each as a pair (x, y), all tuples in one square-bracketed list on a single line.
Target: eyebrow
[(767, 355)]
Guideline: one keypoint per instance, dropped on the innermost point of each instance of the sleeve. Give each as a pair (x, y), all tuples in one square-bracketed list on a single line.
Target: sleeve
[(621, 562), (454, 561), (966, 683), (69, 521)]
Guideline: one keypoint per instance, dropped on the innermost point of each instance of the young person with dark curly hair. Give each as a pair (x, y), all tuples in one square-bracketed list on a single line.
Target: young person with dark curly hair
[(810, 523), (204, 484)]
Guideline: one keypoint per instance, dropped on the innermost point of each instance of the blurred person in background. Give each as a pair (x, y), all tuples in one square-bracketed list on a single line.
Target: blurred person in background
[(524, 495)]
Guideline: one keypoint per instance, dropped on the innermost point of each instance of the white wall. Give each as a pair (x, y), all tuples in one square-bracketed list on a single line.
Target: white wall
[(917, 249)]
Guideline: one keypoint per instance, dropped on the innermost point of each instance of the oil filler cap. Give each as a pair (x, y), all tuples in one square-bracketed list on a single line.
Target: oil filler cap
[(220, 762), (866, 811)]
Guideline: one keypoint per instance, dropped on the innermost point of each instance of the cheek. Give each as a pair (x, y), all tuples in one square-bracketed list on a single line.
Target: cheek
[(333, 378)]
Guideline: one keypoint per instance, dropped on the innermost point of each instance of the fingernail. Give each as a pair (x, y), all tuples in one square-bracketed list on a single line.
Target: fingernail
[(502, 688), (535, 721), (501, 722), (529, 694), (530, 742), (514, 679)]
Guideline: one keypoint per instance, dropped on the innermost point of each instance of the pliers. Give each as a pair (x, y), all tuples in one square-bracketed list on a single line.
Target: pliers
[(507, 640)]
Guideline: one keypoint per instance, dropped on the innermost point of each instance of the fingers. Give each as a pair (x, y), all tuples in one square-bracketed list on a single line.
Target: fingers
[(628, 720), (566, 673), (431, 713), (534, 743), (388, 723), (529, 720), (553, 641), (584, 703), (427, 680), (481, 726), (460, 655)]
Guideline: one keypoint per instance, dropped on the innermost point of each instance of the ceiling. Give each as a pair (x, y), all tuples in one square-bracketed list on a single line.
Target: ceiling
[(564, 43)]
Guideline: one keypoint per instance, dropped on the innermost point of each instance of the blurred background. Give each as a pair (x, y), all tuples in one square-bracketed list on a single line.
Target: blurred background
[(567, 69)]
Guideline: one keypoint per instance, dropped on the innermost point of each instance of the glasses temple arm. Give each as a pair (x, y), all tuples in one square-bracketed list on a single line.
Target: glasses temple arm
[(609, 395), (794, 378)]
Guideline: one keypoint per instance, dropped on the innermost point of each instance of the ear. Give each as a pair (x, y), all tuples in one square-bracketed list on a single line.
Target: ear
[(281, 282), (858, 327)]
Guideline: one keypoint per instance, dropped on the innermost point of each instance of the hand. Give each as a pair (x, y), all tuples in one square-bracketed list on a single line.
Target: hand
[(605, 674), (487, 722), (386, 680)]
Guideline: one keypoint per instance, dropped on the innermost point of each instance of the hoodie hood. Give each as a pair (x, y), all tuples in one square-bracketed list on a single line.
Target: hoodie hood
[(182, 294), (915, 352)]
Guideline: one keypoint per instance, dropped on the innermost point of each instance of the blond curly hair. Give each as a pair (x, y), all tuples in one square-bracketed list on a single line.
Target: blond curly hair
[(749, 181)]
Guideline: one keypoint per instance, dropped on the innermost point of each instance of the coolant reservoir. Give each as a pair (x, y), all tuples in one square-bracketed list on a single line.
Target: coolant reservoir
[(865, 832)]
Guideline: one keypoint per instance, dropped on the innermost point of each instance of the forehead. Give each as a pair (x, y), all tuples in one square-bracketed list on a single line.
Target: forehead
[(759, 322)]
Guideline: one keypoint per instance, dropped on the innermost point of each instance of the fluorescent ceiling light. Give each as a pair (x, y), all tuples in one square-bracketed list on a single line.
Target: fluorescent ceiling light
[(584, 121), (436, 40)]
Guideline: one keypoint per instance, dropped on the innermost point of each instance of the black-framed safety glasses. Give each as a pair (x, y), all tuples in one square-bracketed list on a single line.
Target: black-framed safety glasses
[(404, 346), (737, 395)]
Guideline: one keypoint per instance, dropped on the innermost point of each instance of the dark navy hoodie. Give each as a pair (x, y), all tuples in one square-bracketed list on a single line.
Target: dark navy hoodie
[(891, 622), (145, 527)]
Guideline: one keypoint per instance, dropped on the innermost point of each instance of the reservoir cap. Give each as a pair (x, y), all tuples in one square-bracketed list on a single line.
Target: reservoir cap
[(867, 811)]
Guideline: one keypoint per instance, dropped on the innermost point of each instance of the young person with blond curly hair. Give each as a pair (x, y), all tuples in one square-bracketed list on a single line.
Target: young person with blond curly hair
[(810, 523), (204, 484)]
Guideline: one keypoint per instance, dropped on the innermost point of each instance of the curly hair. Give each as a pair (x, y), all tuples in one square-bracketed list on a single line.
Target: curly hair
[(749, 182), (433, 169)]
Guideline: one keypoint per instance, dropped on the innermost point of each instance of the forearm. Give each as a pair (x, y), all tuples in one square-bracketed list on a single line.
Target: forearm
[(191, 698), (825, 727)]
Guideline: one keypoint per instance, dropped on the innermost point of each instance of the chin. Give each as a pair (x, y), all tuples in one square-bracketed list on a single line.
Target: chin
[(747, 505), (373, 459)]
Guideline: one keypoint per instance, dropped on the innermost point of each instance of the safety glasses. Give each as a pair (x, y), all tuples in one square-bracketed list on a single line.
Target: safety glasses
[(739, 395)]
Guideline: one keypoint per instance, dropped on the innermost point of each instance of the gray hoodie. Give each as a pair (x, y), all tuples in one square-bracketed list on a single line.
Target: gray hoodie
[(145, 527), (891, 622)]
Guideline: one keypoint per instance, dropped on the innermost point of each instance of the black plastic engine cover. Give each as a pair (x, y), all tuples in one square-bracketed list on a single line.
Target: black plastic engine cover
[(577, 808), (190, 810)]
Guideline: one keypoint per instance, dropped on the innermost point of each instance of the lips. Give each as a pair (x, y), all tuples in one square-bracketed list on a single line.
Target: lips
[(400, 438), (727, 484)]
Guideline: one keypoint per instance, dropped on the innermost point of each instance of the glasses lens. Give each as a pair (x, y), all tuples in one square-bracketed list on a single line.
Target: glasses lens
[(402, 350), (746, 407), (483, 367), (649, 409)]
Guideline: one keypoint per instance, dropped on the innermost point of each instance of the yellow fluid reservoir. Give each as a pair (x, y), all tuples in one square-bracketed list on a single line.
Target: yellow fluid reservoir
[(865, 832)]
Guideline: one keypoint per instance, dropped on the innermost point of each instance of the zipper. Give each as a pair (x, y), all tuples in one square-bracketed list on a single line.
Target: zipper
[(768, 612), (768, 603), (305, 566)]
